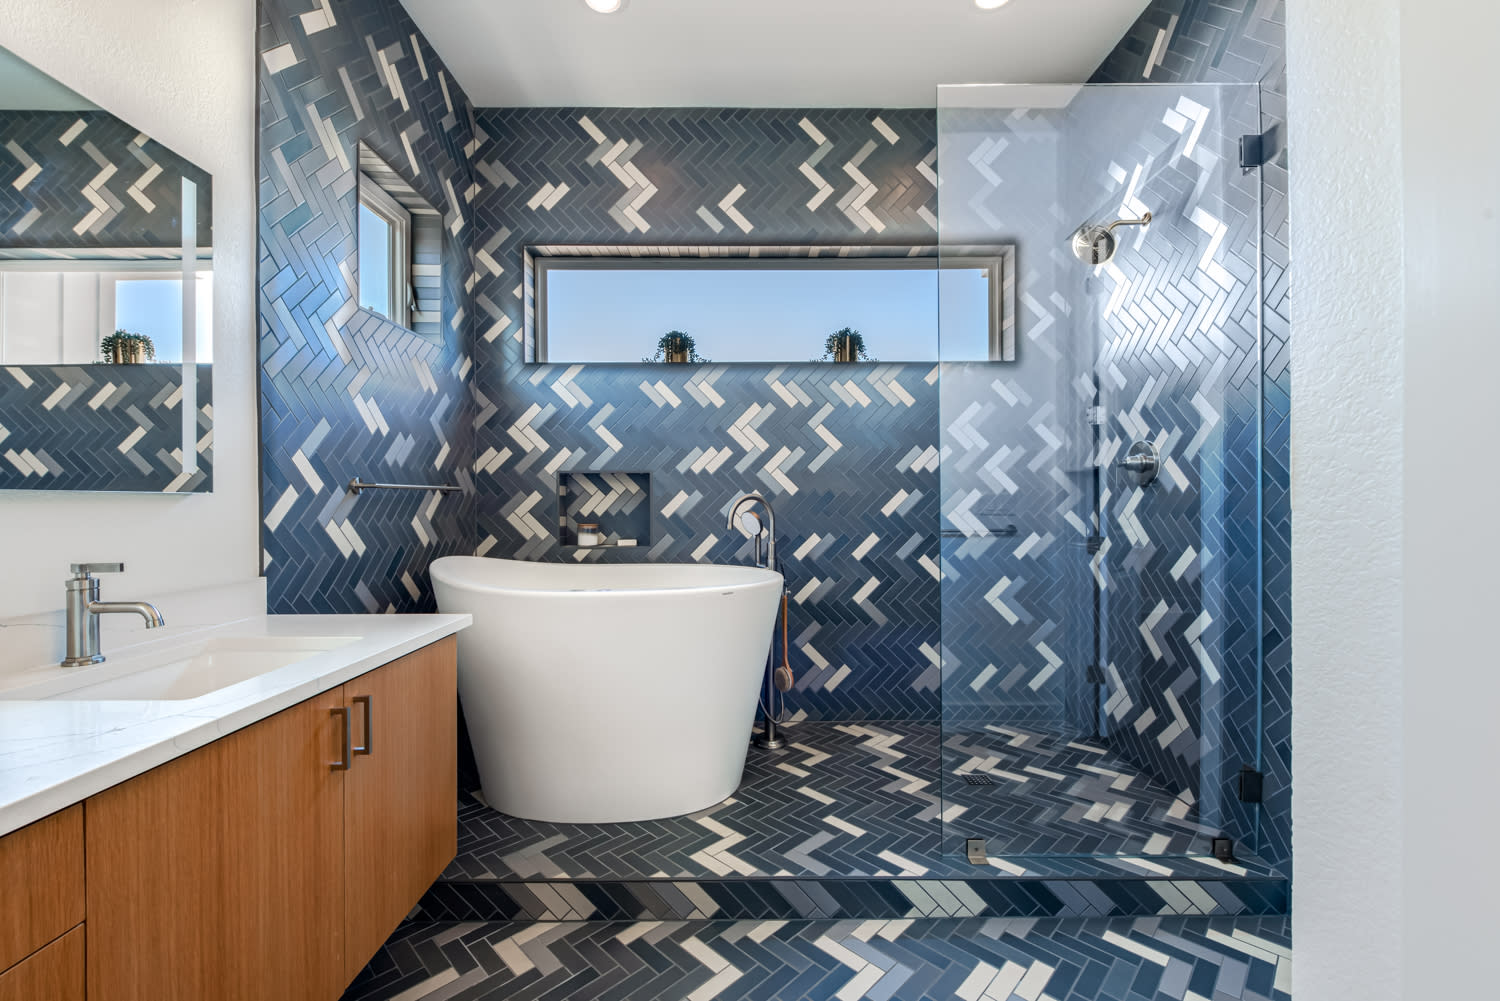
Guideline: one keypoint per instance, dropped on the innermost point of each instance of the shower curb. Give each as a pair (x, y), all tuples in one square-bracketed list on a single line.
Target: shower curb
[(853, 897)]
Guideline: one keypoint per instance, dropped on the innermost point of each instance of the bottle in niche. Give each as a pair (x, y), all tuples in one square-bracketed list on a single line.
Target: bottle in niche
[(589, 534)]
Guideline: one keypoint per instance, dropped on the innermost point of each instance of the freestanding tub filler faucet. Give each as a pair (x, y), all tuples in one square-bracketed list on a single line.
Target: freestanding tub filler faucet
[(84, 609), (750, 523)]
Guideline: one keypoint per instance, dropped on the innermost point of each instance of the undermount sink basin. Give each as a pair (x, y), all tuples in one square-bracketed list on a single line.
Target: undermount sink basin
[(195, 670)]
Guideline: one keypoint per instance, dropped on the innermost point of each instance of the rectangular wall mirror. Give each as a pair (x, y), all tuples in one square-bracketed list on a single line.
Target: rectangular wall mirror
[(106, 299), (722, 305)]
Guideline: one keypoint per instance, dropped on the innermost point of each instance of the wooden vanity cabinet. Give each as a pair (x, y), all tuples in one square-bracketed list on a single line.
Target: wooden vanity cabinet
[(400, 802), (257, 866), (55, 973), (41, 886), (218, 875)]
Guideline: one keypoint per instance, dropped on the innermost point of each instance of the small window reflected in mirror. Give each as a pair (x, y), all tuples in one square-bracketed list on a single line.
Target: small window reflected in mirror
[(384, 267), (763, 305), (152, 305), (400, 249)]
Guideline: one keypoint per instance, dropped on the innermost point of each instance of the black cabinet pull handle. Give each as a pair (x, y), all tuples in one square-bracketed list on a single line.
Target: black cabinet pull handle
[(342, 765), (369, 744)]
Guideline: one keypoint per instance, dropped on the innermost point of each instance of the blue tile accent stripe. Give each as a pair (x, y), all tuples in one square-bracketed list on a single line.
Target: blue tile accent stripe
[(790, 899)]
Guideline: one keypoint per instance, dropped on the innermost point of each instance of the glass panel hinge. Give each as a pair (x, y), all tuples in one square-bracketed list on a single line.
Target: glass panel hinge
[(1250, 785)]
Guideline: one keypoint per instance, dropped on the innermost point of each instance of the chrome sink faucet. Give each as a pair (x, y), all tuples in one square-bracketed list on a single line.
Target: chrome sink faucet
[(84, 609), (749, 523)]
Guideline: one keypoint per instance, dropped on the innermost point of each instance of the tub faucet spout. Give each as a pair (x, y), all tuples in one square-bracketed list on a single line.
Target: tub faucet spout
[(742, 519)]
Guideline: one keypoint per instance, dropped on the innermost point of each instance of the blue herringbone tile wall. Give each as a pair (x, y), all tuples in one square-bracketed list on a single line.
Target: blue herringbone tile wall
[(1163, 340), (1244, 41), (101, 427), (1016, 480), (848, 456), (80, 179), (344, 393), (851, 456)]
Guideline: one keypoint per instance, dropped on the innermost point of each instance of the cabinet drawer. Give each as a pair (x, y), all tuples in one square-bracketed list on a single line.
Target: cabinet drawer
[(55, 973), (41, 870)]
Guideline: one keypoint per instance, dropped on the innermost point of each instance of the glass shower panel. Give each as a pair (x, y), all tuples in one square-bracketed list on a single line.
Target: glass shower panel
[(1099, 492)]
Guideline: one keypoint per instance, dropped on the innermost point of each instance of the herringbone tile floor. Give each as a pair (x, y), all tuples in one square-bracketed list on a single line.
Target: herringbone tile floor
[(1248, 959), (861, 800)]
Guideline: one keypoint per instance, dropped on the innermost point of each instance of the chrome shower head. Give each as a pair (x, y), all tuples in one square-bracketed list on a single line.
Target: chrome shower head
[(1094, 244)]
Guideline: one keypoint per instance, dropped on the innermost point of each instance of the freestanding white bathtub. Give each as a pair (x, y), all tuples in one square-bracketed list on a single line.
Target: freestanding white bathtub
[(606, 693)]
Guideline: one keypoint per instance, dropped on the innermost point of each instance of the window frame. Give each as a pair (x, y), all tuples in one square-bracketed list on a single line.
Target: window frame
[(997, 261), (380, 202)]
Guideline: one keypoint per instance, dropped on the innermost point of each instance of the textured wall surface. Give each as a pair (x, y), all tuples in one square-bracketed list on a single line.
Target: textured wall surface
[(1244, 41), (345, 393), (1347, 361), (847, 456)]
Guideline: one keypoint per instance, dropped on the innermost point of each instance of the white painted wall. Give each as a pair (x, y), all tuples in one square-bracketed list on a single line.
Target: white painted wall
[(184, 72), (1397, 288), (1452, 481)]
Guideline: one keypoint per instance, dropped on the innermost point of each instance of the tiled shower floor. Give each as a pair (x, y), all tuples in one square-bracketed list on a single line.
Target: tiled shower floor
[(860, 800)]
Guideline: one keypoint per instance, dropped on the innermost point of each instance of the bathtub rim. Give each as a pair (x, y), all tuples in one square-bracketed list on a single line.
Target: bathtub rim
[(751, 576)]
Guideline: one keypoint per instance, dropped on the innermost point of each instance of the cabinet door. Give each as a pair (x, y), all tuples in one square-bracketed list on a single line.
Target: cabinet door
[(400, 798), (220, 874), (54, 974), (41, 883)]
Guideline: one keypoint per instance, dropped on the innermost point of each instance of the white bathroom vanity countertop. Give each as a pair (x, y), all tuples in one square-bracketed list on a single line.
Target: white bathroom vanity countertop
[(54, 753)]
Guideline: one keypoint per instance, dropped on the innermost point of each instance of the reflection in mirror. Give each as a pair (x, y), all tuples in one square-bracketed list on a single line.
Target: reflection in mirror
[(769, 304), (106, 298), (400, 249)]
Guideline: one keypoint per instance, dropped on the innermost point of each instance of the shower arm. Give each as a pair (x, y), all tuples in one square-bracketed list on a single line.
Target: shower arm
[(1144, 220)]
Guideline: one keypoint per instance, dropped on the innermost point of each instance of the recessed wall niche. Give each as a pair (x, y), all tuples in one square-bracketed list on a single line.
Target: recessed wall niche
[(400, 237), (618, 503)]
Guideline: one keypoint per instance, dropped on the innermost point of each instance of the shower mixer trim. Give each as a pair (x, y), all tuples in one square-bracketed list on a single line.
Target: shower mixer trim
[(1094, 244)]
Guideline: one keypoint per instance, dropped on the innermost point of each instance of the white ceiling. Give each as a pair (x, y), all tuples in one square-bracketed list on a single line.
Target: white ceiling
[(23, 87), (762, 53)]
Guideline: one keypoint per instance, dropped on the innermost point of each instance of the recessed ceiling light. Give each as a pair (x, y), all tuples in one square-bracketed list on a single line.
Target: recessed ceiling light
[(610, 6), (981, 4)]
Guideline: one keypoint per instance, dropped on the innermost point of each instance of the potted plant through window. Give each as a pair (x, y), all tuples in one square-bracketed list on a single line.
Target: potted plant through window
[(846, 345), (125, 348), (677, 348)]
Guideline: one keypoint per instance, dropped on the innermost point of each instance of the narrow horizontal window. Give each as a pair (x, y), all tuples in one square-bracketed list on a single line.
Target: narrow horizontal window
[(601, 308)]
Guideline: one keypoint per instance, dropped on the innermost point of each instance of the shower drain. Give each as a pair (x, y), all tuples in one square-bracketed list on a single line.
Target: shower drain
[(978, 780)]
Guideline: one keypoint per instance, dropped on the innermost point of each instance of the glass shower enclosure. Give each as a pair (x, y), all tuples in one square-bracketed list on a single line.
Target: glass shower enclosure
[(1100, 489)]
